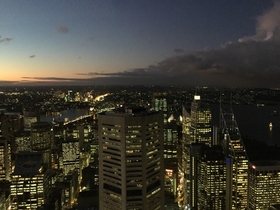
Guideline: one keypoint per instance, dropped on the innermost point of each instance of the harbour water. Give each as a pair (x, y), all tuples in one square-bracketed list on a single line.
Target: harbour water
[(65, 115), (253, 122)]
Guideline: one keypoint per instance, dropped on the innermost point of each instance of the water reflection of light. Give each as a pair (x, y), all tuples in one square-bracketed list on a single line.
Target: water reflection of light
[(270, 126)]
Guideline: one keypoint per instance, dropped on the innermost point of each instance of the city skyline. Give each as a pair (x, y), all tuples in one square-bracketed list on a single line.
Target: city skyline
[(204, 43)]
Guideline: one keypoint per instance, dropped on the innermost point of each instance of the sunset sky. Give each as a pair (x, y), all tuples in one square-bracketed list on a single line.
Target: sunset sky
[(160, 42)]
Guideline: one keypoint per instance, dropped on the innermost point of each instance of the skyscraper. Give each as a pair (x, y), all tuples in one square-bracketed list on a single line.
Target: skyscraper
[(131, 168), (70, 155), (196, 130), (5, 159), (263, 184), (30, 182), (201, 117), (212, 179), (41, 140), (237, 161), (196, 153), (170, 137), (184, 164)]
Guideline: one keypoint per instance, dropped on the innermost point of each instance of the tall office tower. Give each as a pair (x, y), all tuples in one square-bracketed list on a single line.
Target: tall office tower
[(171, 158), (41, 140), (170, 133), (201, 118), (212, 179), (10, 124), (30, 184), (159, 103), (84, 136), (70, 155), (184, 167), (69, 187), (41, 136), (263, 184), (5, 159), (131, 168), (196, 154), (93, 141), (196, 128), (30, 117), (22, 140), (171, 143), (237, 161), (76, 146)]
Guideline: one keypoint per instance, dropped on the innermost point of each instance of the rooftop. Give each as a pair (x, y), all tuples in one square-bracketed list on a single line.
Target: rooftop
[(27, 164)]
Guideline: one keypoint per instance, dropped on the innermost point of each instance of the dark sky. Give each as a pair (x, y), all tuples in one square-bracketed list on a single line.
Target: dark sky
[(234, 43)]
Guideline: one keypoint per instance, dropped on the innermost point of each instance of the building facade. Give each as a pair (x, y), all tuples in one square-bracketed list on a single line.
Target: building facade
[(30, 184), (201, 118), (212, 179), (131, 167), (5, 159), (263, 184), (237, 162)]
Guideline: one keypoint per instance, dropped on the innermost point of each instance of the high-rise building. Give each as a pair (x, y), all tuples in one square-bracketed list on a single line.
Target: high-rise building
[(30, 184), (184, 163), (70, 155), (171, 158), (212, 179), (201, 118), (131, 168), (159, 103), (263, 184), (10, 123), (196, 130), (41, 136), (41, 140), (5, 159), (23, 142), (170, 136), (68, 185), (196, 152), (30, 117), (237, 161)]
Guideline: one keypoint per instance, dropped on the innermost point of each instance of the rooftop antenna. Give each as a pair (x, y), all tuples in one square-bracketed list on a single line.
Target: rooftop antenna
[(220, 124), (231, 98)]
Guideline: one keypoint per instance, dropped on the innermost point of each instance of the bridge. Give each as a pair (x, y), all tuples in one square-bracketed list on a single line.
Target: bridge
[(78, 119)]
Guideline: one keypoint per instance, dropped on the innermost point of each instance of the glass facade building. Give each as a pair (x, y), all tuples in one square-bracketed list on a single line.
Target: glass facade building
[(201, 117), (237, 161)]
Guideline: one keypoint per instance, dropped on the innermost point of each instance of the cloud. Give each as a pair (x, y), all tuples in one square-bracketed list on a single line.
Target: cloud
[(5, 40), (235, 64), (178, 50), (50, 78), (268, 25), (249, 62), (63, 29), (7, 83), (32, 56)]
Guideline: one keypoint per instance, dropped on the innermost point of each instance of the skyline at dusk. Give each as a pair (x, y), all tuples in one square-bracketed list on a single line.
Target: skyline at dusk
[(231, 44)]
